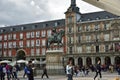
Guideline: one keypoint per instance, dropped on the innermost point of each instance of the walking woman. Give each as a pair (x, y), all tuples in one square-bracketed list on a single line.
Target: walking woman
[(98, 70), (69, 70)]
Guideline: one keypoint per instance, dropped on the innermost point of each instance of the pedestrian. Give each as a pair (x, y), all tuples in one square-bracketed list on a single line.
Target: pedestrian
[(69, 70), (44, 72), (4, 72), (25, 71), (30, 71), (1, 71), (14, 71), (98, 70)]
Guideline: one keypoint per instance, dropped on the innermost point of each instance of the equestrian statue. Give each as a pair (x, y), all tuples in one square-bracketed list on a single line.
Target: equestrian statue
[(56, 37)]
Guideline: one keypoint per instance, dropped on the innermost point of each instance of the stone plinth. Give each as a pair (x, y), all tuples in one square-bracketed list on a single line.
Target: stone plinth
[(54, 61)]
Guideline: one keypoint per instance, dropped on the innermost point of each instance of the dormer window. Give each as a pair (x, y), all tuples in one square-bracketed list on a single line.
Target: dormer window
[(97, 18), (22, 28), (1, 30), (11, 29), (57, 23)]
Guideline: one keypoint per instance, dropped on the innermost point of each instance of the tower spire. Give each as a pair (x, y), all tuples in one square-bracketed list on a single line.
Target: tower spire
[(73, 2)]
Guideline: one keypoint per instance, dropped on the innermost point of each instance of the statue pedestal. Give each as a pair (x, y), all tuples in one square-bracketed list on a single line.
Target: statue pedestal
[(54, 62)]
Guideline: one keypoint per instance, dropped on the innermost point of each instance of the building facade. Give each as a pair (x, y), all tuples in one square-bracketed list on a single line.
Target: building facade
[(88, 38)]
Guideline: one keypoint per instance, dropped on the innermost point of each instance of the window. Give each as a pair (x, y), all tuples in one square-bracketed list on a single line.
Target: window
[(21, 35), (48, 33), (70, 50), (28, 34), (5, 44), (70, 29), (106, 48), (79, 28), (79, 39), (32, 43), (70, 40), (106, 37), (87, 27), (14, 44), (32, 52), (32, 34), (9, 53), (1, 38), (21, 43), (43, 42), (11, 29), (43, 51), (79, 49), (37, 52), (37, 34), (14, 36), (97, 48), (0, 45), (10, 45), (57, 23), (43, 33), (96, 27), (22, 28), (28, 43), (88, 49), (10, 37), (69, 19), (5, 54), (5, 37), (37, 42)]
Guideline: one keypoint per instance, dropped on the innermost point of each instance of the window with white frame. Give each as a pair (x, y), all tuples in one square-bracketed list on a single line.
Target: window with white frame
[(32, 52), (43, 51), (21, 43), (28, 43), (70, 29), (32, 34), (79, 28), (32, 43), (43, 42), (5, 37), (10, 45), (43, 33), (79, 49), (21, 35), (37, 52), (5, 44), (37, 42), (87, 27), (14, 44), (9, 36), (14, 36), (79, 39), (37, 34), (5, 53), (106, 37), (0, 37), (96, 27), (48, 33), (88, 49), (28, 35), (9, 53)]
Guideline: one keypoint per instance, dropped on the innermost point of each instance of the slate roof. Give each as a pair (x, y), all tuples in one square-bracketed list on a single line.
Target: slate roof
[(61, 22)]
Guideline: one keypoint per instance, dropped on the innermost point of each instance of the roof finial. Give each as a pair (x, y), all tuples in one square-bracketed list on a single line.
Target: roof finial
[(73, 2)]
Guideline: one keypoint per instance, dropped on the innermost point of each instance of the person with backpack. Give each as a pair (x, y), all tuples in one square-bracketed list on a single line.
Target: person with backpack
[(29, 71)]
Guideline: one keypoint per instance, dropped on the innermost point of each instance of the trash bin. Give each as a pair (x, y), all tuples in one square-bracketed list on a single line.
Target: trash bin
[(34, 71)]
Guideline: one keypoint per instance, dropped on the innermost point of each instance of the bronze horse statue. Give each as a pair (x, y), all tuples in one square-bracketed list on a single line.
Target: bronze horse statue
[(56, 38)]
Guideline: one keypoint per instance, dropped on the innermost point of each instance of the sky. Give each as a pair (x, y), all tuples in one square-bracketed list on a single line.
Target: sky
[(15, 12)]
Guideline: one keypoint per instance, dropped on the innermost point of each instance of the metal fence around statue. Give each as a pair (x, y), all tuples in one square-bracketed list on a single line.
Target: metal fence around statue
[(55, 38)]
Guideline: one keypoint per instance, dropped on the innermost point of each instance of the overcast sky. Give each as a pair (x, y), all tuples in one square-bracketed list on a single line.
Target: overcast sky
[(14, 12)]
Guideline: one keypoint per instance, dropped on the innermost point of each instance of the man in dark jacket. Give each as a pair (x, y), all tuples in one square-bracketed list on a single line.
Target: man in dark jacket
[(98, 70), (44, 72), (30, 71)]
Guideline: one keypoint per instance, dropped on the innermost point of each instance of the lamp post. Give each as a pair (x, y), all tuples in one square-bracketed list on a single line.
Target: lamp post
[(16, 53)]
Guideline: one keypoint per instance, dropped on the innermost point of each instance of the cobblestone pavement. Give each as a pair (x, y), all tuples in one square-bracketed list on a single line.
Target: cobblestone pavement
[(105, 76)]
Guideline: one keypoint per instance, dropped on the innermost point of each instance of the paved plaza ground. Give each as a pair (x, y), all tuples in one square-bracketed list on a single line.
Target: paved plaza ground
[(105, 76)]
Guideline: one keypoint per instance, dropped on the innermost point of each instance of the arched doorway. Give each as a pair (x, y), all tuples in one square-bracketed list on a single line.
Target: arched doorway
[(73, 62), (117, 60), (107, 60), (88, 61), (20, 55), (80, 62), (97, 59)]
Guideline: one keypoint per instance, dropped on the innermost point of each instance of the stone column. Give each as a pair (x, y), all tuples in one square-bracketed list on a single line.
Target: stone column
[(93, 60), (112, 59), (84, 60), (102, 60), (76, 61)]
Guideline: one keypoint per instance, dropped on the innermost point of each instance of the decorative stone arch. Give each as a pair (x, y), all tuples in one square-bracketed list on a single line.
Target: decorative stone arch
[(107, 60), (117, 60), (21, 54), (97, 59), (80, 62), (73, 61), (88, 61)]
